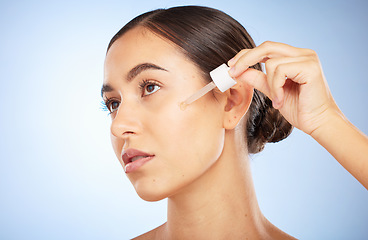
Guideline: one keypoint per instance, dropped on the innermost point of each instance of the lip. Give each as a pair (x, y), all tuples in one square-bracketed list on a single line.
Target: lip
[(131, 153)]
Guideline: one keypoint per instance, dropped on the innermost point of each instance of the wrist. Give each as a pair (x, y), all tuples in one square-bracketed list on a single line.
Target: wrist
[(330, 123)]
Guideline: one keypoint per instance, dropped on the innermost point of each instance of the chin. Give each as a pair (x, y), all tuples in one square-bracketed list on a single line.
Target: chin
[(150, 193), (151, 196)]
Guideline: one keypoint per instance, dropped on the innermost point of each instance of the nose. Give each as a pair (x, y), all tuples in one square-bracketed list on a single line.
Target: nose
[(126, 121)]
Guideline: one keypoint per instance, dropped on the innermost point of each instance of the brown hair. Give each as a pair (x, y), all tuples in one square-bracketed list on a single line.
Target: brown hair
[(210, 37)]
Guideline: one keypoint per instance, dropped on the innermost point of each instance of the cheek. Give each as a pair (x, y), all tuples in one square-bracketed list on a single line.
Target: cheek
[(198, 125), (188, 141)]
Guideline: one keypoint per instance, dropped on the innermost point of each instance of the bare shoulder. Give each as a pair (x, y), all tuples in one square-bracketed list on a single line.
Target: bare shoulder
[(153, 234)]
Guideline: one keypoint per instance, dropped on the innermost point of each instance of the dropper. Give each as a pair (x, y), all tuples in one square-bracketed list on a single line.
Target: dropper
[(221, 80)]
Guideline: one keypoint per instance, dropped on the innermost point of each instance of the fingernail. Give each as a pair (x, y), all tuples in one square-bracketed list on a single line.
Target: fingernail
[(230, 62)]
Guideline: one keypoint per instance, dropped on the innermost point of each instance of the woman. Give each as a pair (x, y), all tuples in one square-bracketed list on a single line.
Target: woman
[(198, 157)]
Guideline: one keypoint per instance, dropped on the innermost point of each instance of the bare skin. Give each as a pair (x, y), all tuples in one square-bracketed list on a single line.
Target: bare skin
[(210, 193), (215, 212), (295, 82)]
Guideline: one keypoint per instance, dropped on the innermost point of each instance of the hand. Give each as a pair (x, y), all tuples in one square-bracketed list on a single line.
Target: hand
[(293, 81)]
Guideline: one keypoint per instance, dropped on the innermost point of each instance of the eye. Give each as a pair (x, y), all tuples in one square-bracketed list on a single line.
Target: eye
[(148, 87), (112, 105)]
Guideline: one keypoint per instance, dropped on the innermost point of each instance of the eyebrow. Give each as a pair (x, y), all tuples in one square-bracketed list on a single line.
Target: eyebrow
[(106, 88), (133, 73)]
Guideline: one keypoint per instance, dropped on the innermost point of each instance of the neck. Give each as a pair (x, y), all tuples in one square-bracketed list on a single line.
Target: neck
[(221, 203)]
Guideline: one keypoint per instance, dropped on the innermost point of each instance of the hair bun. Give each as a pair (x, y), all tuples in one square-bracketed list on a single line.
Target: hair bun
[(265, 123)]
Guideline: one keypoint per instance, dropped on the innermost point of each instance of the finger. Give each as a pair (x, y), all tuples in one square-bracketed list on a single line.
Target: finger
[(262, 53), (272, 64), (232, 61), (294, 71), (256, 79)]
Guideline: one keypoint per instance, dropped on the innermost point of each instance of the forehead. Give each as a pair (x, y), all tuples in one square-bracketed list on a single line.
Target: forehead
[(140, 45)]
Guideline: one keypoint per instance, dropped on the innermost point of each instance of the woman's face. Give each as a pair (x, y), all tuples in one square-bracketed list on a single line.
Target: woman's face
[(146, 78)]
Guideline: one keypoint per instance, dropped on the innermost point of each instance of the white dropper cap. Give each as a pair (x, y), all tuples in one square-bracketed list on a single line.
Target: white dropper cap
[(221, 80), (221, 77)]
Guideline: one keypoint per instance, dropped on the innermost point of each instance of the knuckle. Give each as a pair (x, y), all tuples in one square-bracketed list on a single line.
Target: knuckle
[(310, 52), (267, 43), (270, 64), (279, 69), (272, 61)]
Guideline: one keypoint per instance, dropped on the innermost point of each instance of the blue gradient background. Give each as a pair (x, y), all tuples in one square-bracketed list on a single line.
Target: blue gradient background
[(59, 178)]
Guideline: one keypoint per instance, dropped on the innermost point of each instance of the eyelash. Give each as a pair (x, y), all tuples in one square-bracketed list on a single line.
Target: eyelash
[(146, 83), (106, 104)]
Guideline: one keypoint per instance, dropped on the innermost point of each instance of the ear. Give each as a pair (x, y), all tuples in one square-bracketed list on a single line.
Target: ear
[(238, 100)]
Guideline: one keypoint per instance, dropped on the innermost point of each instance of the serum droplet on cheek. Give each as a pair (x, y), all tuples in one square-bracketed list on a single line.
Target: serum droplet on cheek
[(183, 106)]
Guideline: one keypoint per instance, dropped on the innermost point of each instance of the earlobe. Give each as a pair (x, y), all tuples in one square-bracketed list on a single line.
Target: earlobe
[(238, 99)]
